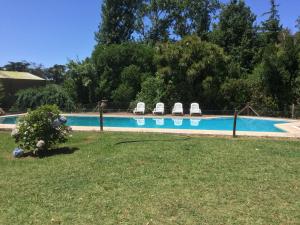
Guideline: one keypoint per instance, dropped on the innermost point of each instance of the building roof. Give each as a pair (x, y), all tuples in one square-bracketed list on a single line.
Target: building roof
[(18, 75)]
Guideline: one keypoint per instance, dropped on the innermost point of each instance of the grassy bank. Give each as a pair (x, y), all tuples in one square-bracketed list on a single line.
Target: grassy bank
[(122, 178)]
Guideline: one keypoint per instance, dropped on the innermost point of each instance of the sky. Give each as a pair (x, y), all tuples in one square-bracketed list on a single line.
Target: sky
[(52, 32)]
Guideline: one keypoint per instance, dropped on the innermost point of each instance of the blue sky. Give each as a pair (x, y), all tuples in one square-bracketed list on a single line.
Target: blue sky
[(53, 31)]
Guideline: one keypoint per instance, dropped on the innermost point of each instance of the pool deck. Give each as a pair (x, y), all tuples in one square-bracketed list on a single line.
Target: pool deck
[(292, 129)]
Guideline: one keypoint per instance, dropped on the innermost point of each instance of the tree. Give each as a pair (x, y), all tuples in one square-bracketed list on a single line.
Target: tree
[(37, 69), (236, 92), (236, 33), (120, 66), (155, 20), (118, 21), (298, 24), (163, 20), (272, 27), (192, 70), (32, 98), (280, 71), (193, 16), (128, 87), (81, 81), (56, 73)]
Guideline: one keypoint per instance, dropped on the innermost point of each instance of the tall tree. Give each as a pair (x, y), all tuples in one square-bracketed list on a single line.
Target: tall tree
[(56, 73), (162, 20), (156, 20), (193, 16), (81, 81), (280, 70), (298, 24), (118, 21), (272, 27), (236, 33)]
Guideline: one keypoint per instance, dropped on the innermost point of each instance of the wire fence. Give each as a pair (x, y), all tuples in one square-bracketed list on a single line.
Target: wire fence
[(292, 112)]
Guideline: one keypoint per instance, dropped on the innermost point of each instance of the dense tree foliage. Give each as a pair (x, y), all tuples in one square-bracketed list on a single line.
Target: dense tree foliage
[(157, 12), (193, 16), (280, 71), (152, 92), (52, 94), (56, 73), (236, 33), (163, 20), (118, 21), (272, 27), (193, 70), (121, 69), (81, 81)]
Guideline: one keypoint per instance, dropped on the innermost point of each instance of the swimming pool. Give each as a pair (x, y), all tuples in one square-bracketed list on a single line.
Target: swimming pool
[(216, 123)]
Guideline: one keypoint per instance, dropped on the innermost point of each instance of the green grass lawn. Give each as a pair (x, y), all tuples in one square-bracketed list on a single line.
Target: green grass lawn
[(131, 178)]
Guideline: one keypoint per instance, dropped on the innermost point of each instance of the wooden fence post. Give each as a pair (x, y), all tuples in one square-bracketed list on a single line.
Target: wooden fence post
[(101, 105), (293, 111), (234, 123)]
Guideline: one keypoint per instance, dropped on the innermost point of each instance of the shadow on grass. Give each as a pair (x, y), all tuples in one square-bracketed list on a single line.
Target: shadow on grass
[(51, 152), (154, 140)]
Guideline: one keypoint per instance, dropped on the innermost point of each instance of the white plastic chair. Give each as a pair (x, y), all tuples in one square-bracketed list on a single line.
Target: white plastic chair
[(140, 108), (178, 108), (159, 108), (195, 109)]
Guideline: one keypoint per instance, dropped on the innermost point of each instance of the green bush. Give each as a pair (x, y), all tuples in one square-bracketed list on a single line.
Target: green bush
[(192, 70), (41, 129), (123, 95), (153, 91), (51, 94), (236, 93), (81, 81), (120, 66)]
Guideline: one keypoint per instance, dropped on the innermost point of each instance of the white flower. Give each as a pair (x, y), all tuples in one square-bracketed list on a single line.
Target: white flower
[(40, 144), (14, 132)]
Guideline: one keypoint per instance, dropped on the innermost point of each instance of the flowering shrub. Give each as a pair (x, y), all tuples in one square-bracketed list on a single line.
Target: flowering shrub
[(40, 129)]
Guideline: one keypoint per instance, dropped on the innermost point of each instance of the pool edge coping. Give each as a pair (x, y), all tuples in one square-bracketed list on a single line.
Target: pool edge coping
[(291, 128)]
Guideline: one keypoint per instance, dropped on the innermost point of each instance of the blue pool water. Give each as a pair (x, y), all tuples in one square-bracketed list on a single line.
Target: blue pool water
[(220, 123)]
